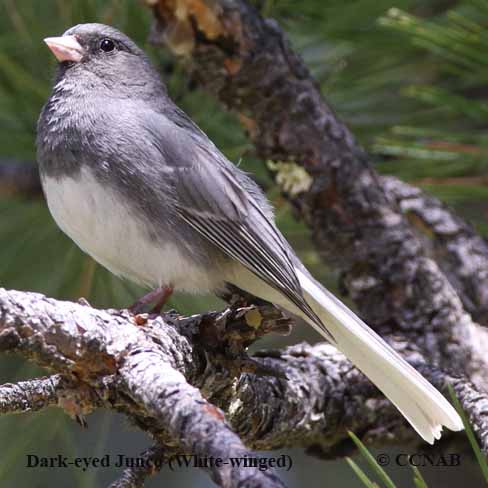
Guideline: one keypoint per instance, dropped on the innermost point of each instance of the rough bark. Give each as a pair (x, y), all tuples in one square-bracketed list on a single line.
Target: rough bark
[(135, 477), (30, 395), (247, 62), (452, 243), (140, 370), (167, 378)]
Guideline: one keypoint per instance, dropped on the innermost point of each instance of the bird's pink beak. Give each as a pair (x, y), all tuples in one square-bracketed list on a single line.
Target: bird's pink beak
[(65, 48)]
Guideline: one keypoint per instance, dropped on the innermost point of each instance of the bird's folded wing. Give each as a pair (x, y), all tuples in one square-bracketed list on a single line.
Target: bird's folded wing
[(212, 201), (221, 204)]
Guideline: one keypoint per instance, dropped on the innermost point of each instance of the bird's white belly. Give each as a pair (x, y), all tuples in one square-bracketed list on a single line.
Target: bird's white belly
[(102, 225)]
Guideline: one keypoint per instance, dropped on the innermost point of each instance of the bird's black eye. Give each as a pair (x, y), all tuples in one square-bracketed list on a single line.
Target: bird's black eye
[(107, 45)]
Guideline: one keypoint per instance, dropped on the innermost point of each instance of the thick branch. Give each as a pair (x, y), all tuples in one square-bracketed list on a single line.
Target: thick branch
[(247, 62), (461, 254), (313, 402), (96, 346)]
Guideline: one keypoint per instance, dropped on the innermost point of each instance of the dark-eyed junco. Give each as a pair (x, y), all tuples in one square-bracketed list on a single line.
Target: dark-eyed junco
[(138, 186)]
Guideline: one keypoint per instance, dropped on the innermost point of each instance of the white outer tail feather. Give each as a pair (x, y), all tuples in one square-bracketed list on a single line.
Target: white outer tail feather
[(420, 403)]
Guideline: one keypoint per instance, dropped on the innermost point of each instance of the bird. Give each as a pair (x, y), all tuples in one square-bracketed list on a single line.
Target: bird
[(137, 185)]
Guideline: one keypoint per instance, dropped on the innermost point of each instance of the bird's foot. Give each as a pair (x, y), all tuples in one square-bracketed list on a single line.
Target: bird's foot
[(159, 295), (83, 301)]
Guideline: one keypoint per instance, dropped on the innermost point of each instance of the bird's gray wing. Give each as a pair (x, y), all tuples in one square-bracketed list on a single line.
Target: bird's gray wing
[(219, 201)]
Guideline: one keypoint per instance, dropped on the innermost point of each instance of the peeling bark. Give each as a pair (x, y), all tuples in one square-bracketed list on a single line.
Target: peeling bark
[(146, 365), (165, 378)]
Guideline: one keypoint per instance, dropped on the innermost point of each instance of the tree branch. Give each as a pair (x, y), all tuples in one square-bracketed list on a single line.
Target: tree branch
[(154, 373), (461, 254), (153, 458), (247, 63), (103, 347), (31, 395)]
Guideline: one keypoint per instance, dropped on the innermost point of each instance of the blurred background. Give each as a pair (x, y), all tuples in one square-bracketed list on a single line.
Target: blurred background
[(408, 76)]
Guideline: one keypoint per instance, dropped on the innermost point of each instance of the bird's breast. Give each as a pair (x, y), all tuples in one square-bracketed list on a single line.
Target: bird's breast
[(104, 225)]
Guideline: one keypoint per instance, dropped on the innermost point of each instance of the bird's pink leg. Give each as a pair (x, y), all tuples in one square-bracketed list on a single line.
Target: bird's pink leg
[(163, 298), (161, 294)]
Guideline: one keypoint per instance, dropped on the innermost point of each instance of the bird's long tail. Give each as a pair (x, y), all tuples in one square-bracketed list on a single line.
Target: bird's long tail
[(421, 404)]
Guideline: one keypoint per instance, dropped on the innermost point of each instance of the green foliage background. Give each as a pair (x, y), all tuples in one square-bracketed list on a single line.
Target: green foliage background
[(408, 76)]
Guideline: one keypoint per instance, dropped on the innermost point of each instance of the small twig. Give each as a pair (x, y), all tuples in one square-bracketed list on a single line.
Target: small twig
[(76, 398), (150, 462), (31, 395)]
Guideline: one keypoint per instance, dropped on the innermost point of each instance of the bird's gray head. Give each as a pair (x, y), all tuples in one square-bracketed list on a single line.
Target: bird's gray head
[(103, 58)]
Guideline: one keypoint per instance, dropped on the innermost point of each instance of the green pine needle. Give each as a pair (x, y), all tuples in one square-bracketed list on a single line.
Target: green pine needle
[(372, 461), (361, 474), (418, 478), (480, 457)]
